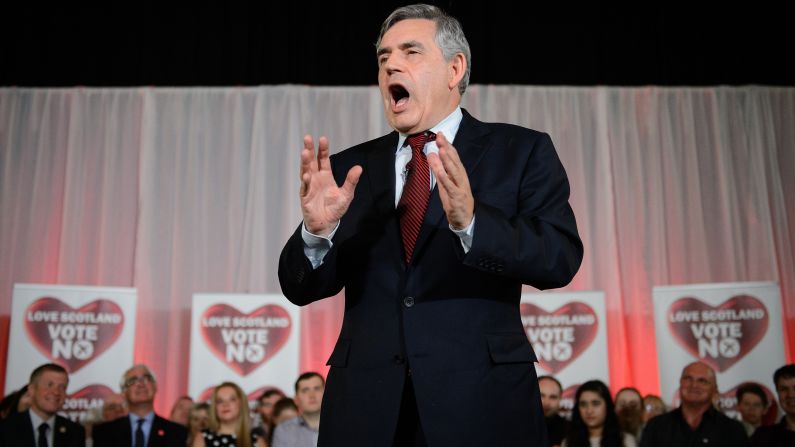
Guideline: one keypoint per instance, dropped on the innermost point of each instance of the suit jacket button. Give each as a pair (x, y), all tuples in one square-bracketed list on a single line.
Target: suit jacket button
[(408, 301), (398, 359)]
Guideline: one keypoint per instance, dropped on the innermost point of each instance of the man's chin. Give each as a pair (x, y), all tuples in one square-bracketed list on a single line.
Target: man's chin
[(402, 122)]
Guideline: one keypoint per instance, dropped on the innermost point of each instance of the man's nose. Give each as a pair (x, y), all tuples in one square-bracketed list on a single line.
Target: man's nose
[(393, 64)]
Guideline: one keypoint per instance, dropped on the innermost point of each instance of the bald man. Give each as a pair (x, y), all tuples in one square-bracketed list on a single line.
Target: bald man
[(696, 421)]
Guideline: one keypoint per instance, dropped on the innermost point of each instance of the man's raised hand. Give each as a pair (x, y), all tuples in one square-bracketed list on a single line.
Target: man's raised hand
[(323, 203)]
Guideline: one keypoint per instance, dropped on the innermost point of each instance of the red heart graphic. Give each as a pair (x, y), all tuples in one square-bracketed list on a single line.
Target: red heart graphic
[(559, 337), (245, 341), (78, 404), (719, 336), (73, 337)]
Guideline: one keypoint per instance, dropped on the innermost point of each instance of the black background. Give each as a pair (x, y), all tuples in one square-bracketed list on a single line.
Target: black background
[(332, 43)]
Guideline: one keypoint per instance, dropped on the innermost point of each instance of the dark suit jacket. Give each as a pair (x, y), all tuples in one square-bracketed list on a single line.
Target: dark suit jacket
[(452, 317), (17, 431), (118, 433)]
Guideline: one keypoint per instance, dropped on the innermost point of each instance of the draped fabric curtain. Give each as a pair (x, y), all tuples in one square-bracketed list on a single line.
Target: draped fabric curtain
[(177, 191)]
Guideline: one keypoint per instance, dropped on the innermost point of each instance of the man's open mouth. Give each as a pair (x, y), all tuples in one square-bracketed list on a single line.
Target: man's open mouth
[(400, 96)]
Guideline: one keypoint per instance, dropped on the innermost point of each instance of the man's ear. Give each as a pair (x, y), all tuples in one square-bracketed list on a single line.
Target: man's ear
[(456, 68)]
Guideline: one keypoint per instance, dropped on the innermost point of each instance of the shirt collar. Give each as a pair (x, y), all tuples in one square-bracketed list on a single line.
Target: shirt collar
[(148, 418), (36, 420), (448, 126)]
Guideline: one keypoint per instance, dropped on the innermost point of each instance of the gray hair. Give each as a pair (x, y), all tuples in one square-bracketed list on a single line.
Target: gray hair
[(449, 34), (129, 370)]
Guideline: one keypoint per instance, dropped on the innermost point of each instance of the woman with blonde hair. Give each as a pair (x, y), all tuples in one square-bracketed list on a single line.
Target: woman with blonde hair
[(230, 423)]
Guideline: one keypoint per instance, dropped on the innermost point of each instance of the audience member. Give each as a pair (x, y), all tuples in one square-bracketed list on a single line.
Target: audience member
[(283, 410), (198, 420), (16, 402), (653, 405), (40, 425), (113, 407), (141, 427), (783, 433), (593, 419), (551, 391), (265, 403), (230, 423), (752, 405), (302, 431), (181, 409), (696, 421), (629, 409)]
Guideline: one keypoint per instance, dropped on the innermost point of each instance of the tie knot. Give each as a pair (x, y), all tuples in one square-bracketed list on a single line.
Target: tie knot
[(43, 429), (417, 141), (140, 422)]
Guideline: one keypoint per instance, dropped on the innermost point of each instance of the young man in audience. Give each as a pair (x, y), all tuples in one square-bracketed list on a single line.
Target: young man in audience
[(141, 427), (783, 433), (302, 431), (629, 410), (40, 426), (696, 421), (752, 405), (265, 404), (551, 391)]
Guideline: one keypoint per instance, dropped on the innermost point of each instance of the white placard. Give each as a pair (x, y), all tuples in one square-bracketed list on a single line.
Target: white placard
[(90, 331), (733, 327), (252, 340), (568, 332)]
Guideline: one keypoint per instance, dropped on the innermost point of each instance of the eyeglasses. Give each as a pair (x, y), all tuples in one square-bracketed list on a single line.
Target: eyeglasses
[(146, 379)]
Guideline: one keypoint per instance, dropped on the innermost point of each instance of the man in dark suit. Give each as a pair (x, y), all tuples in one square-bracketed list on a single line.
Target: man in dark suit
[(432, 244), (40, 426), (141, 427)]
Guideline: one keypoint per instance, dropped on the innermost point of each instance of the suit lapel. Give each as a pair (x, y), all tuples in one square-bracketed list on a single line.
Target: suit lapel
[(60, 435), (25, 429), (470, 144), (155, 434), (380, 171), (126, 432)]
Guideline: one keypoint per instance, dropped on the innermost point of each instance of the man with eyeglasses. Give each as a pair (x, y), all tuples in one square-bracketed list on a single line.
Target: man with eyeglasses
[(141, 427), (696, 421), (40, 426)]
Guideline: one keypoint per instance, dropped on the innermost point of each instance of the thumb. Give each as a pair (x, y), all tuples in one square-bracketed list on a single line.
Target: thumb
[(351, 180)]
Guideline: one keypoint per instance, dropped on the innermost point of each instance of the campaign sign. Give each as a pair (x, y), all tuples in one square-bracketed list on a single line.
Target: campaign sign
[(90, 331), (252, 340), (735, 328), (568, 333)]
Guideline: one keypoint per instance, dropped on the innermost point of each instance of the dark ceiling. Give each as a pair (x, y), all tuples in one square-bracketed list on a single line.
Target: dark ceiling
[(331, 43)]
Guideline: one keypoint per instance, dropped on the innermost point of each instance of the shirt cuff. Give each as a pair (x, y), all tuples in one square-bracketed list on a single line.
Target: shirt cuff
[(316, 247), (465, 234)]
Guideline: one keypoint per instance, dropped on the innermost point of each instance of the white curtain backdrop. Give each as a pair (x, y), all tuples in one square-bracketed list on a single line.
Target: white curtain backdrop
[(176, 191)]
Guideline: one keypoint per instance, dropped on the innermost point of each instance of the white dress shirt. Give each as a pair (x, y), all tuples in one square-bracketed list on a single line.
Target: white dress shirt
[(316, 247)]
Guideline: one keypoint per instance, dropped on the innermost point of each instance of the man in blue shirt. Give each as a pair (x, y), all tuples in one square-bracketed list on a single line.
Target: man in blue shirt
[(141, 427)]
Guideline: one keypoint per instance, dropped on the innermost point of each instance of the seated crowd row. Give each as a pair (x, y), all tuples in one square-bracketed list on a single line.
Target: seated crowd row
[(632, 420), (30, 416)]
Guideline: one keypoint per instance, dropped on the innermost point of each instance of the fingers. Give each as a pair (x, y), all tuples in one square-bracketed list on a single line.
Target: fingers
[(323, 161), (442, 179), (311, 165), (351, 180), (307, 165), (450, 160)]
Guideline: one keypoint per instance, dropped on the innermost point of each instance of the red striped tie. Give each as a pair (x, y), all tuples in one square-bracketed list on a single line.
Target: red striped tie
[(416, 192)]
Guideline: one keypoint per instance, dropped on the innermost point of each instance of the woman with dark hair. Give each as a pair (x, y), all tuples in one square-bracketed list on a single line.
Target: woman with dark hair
[(593, 419), (16, 402)]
